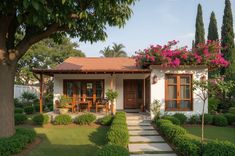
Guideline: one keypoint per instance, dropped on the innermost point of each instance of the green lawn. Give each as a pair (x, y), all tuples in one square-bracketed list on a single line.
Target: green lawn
[(213, 132), (78, 141)]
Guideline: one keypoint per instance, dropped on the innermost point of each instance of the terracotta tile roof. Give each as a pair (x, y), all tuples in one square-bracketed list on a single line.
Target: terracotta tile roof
[(96, 64)]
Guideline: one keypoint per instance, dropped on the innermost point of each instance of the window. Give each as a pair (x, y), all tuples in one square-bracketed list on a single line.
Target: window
[(178, 92)]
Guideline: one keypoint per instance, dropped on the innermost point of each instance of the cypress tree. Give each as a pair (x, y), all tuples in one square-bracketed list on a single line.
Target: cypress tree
[(200, 32), (212, 29), (227, 34)]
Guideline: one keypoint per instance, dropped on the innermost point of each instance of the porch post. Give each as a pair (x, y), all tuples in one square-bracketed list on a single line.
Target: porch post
[(111, 83), (144, 96), (41, 85)]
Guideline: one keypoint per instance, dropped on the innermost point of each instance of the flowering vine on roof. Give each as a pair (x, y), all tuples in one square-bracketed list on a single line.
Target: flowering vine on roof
[(205, 54)]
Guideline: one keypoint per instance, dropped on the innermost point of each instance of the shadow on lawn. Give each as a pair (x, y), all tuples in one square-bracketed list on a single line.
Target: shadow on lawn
[(97, 137)]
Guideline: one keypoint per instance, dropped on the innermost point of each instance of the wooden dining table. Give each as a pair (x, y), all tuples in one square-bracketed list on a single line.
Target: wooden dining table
[(82, 103)]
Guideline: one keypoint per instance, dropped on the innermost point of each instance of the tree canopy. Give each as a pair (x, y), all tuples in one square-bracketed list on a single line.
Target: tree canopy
[(212, 29), (115, 51), (200, 32), (44, 54)]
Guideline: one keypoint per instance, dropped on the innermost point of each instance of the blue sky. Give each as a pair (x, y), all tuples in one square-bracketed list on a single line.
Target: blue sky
[(157, 22)]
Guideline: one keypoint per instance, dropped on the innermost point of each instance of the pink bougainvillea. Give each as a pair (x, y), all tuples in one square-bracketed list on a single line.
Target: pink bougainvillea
[(205, 54)]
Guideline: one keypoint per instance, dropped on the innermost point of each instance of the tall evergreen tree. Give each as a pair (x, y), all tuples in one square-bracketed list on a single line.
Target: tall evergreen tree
[(212, 29), (200, 32), (227, 34)]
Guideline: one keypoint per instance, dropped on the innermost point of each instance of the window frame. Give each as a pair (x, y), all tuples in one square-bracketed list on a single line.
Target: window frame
[(178, 98)]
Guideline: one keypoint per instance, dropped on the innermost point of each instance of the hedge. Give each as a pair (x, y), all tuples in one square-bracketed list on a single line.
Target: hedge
[(17, 142), (219, 148), (118, 133), (220, 120), (20, 119), (230, 118), (194, 119), (181, 117), (62, 119), (113, 150), (106, 120), (85, 119), (172, 119), (19, 110), (162, 121), (29, 110), (208, 119), (231, 110), (41, 119)]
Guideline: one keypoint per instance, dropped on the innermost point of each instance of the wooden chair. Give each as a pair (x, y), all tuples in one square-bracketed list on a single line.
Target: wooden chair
[(103, 104)]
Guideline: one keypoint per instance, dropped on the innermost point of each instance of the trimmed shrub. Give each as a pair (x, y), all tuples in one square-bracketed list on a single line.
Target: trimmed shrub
[(37, 108), (29, 110), (213, 104), (231, 110), (118, 137), (172, 119), (20, 119), (208, 119), (161, 121), (19, 111), (220, 120), (17, 142), (187, 145), (107, 120), (62, 119), (170, 130), (219, 148), (41, 119), (230, 117), (113, 150), (181, 117), (194, 119), (85, 119)]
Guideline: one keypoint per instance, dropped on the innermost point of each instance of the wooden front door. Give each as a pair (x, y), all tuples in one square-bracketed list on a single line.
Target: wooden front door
[(133, 94)]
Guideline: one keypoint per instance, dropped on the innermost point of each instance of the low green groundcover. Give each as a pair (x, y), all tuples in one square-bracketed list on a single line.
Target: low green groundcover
[(17, 142)]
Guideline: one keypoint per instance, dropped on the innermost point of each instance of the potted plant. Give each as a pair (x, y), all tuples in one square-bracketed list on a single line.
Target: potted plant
[(64, 101), (111, 96)]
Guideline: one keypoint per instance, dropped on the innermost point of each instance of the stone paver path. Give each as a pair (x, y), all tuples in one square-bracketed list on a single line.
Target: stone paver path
[(144, 139)]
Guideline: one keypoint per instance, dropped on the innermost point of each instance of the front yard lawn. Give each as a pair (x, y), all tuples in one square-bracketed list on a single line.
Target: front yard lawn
[(71, 141), (213, 132)]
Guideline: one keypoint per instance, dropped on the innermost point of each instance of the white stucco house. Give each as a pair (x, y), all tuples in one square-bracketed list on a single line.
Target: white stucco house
[(89, 78)]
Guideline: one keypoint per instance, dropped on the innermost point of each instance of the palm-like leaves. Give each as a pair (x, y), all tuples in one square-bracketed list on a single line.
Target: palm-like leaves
[(116, 51)]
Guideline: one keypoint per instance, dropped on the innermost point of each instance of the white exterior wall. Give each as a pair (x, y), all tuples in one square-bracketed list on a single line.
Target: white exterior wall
[(117, 83), (158, 89)]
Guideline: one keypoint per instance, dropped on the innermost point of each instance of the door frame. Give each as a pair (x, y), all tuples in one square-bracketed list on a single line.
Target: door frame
[(138, 107)]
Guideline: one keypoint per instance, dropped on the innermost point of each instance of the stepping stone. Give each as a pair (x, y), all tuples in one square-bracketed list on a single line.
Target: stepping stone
[(138, 123), (142, 132), (140, 128), (148, 139), (149, 147), (165, 154)]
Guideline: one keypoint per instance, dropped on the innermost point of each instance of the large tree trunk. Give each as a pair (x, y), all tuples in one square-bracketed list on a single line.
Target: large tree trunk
[(7, 123)]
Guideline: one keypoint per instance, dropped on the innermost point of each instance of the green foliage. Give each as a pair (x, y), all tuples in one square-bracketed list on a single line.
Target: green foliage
[(161, 121), (213, 104), (173, 119), (187, 145), (64, 101), (227, 34), (116, 51), (111, 95), (45, 54), (208, 119), (41, 119), (219, 148), (85, 119), (200, 32), (19, 110), (220, 120), (194, 119), (170, 130), (231, 110), (17, 103), (106, 120), (181, 117), (20, 119), (29, 109), (155, 108), (113, 150), (28, 98), (63, 119), (17, 142), (212, 29), (118, 133), (230, 117)]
